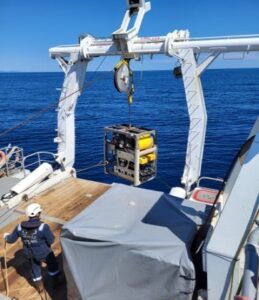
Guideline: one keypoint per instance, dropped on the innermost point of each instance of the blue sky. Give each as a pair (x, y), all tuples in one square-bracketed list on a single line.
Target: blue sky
[(29, 28)]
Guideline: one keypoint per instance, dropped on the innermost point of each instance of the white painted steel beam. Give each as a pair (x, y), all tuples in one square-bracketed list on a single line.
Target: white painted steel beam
[(228, 44), (71, 90), (197, 116), (160, 45)]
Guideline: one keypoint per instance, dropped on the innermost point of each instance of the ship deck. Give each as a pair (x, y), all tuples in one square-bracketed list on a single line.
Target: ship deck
[(60, 204)]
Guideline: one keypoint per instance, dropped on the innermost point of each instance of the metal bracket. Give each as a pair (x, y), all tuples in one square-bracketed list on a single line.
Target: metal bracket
[(175, 36), (206, 62), (124, 36), (62, 63)]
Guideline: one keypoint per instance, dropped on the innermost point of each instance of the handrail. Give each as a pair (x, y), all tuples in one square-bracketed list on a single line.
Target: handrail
[(209, 178), (39, 158), (14, 160)]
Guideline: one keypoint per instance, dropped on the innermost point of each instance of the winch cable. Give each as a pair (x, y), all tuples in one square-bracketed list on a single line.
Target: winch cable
[(52, 105), (130, 94), (102, 164), (129, 113), (124, 81)]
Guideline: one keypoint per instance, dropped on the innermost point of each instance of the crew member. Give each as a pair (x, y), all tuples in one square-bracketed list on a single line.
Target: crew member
[(37, 238)]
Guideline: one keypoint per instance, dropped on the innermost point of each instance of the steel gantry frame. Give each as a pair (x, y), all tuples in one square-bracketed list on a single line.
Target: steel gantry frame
[(126, 43)]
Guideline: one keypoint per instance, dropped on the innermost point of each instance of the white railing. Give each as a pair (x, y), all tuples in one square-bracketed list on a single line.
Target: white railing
[(14, 162), (220, 181), (34, 160)]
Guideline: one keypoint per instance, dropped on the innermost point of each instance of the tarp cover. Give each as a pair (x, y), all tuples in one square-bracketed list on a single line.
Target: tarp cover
[(132, 244)]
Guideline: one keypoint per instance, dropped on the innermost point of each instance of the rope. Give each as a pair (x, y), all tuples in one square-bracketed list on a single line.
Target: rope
[(100, 164), (164, 182), (6, 281), (7, 214), (98, 67), (6, 271), (52, 105), (25, 298)]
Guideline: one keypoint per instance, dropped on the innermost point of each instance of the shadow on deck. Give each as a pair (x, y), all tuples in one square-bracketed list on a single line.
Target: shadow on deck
[(60, 204)]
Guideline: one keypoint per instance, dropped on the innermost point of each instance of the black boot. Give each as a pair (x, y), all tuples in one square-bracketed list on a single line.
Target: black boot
[(57, 280)]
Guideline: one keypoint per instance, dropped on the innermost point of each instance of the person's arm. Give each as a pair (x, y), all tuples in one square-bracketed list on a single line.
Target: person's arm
[(48, 234), (12, 237)]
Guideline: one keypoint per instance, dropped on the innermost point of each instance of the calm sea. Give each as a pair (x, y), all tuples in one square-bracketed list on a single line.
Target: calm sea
[(232, 100)]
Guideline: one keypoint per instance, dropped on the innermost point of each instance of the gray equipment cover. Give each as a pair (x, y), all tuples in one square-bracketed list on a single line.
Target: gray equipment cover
[(132, 244)]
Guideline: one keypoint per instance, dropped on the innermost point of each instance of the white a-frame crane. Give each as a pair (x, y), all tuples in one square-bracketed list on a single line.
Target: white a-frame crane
[(126, 43), (237, 217)]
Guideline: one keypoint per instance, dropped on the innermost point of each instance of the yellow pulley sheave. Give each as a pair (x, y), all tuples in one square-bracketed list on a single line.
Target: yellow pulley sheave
[(123, 79)]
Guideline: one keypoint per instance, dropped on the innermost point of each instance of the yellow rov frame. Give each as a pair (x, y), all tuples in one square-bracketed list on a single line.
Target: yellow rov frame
[(130, 153)]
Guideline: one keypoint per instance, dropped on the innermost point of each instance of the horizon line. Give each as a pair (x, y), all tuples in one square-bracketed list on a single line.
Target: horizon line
[(155, 70)]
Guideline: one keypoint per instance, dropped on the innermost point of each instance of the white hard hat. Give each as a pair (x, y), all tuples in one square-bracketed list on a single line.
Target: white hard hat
[(33, 209)]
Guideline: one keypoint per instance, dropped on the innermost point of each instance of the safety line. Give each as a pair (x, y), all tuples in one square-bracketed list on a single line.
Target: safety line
[(100, 164), (43, 216), (49, 107)]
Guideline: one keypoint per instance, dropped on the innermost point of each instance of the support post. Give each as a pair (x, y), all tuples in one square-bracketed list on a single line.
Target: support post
[(75, 71), (197, 115)]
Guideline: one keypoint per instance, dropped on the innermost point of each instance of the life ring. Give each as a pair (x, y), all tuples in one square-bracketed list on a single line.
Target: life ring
[(2, 158)]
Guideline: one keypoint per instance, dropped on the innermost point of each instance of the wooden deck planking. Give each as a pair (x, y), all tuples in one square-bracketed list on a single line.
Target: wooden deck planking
[(68, 198), (63, 201)]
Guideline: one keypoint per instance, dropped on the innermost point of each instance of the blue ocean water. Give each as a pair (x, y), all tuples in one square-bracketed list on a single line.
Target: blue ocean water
[(232, 100)]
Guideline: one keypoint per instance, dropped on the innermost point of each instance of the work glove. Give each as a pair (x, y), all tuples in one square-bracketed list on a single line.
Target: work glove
[(5, 235)]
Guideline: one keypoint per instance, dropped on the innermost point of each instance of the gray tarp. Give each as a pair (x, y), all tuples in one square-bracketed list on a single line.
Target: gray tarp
[(131, 244)]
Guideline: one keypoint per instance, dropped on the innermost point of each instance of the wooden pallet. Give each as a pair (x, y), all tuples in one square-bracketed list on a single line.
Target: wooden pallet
[(60, 204)]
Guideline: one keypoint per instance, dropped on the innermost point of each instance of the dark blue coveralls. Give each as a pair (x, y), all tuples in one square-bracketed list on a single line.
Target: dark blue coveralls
[(37, 238)]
